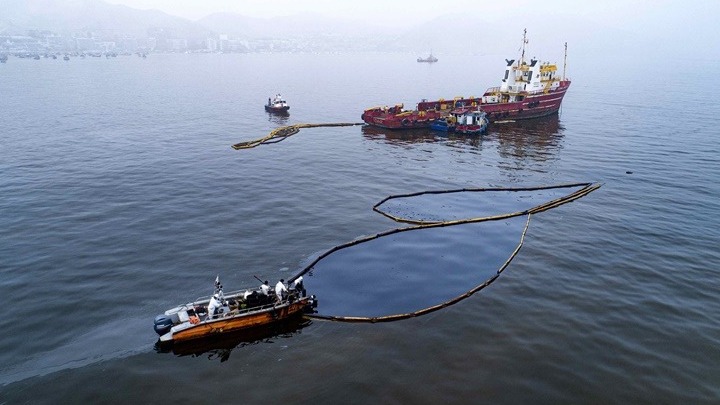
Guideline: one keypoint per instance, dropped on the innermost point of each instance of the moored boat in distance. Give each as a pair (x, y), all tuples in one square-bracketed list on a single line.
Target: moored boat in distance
[(529, 89), (429, 59), (235, 312), (277, 105)]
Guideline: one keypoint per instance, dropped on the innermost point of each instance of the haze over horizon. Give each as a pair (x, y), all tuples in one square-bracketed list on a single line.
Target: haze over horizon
[(614, 28), (670, 25)]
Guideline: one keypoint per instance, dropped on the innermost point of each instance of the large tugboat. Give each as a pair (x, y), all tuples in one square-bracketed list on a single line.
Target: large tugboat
[(241, 310), (528, 90)]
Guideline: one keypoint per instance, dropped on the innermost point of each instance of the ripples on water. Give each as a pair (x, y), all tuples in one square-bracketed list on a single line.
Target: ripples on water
[(121, 197)]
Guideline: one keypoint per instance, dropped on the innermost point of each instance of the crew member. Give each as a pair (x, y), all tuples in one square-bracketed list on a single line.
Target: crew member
[(298, 286), (214, 304), (280, 289), (265, 288)]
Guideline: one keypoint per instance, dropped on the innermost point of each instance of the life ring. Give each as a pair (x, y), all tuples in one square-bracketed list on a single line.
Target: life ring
[(405, 122), (194, 320)]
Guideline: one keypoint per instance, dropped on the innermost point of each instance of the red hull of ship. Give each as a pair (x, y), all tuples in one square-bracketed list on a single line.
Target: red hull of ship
[(533, 106), (387, 118)]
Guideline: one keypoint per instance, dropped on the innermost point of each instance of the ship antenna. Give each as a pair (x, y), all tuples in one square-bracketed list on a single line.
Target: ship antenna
[(525, 41), (565, 61)]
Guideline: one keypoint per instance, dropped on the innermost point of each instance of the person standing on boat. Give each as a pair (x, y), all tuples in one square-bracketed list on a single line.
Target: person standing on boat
[(265, 288), (280, 289), (214, 305), (216, 301), (298, 286)]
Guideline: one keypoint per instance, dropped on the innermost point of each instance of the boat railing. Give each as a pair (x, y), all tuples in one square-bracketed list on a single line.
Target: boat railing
[(206, 298), (256, 308), (239, 293)]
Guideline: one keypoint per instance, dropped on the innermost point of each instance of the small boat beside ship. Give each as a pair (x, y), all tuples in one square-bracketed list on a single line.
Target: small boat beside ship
[(277, 105), (529, 89), (238, 311), (464, 120)]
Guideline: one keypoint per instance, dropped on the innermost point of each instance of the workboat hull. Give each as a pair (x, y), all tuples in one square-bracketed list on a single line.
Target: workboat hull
[(236, 322), (227, 341), (279, 110)]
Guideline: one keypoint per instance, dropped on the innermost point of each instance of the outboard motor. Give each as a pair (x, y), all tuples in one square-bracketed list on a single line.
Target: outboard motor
[(312, 304), (163, 323)]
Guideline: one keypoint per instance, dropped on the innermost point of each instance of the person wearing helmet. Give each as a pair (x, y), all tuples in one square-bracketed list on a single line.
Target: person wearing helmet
[(214, 305), (298, 286)]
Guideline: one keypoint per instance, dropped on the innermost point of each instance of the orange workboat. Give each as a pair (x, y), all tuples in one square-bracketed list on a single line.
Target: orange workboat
[(233, 312)]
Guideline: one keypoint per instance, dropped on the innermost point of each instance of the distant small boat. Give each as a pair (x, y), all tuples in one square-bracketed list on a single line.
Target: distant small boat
[(66, 57), (277, 105), (429, 59)]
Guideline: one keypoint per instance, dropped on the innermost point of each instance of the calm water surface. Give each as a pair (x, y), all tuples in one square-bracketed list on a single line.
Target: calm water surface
[(120, 197)]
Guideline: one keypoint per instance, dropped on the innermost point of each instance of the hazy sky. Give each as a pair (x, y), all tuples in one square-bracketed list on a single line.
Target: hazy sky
[(400, 12), (684, 25)]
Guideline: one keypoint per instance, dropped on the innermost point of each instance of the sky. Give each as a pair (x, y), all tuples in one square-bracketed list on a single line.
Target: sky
[(653, 26), (397, 12)]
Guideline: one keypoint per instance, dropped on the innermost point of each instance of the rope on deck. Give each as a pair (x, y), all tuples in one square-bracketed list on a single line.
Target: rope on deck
[(282, 133), (586, 189)]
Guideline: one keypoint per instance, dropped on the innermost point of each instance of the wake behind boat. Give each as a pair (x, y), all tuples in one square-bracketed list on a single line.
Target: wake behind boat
[(237, 311)]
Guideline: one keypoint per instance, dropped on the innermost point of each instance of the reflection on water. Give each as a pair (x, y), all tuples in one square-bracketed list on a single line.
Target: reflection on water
[(278, 118), (399, 136), (537, 139), (220, 347)]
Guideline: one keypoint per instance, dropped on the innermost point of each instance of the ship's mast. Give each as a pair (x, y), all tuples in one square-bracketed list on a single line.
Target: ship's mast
[(565, 61), (522, 55)]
